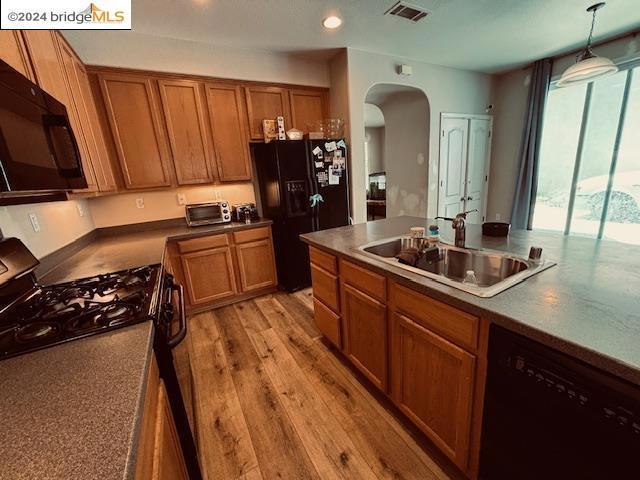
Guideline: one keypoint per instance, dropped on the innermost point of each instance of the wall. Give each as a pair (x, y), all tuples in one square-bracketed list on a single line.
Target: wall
[(162, 204), (406, 147), (130, 49), (60, 224), (447, 90), (375, 146), (339, 94), (509, 97)]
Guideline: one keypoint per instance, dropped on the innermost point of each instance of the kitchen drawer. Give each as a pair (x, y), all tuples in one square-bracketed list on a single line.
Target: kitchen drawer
[(203, 243), (327, 322), (370, 283), (325, 260), (325, 287), (251, 235), (453, 324)]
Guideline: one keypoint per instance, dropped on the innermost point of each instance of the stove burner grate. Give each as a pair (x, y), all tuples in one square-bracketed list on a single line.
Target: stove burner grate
[(54, 314), (36, 331)]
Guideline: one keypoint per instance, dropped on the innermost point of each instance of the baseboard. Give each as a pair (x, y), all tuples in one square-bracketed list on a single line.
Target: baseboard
[(231, 300)]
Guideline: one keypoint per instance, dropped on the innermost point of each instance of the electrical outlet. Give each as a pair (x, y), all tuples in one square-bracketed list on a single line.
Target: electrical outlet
[(498, 217), (182, 199), (80, 208), (216, 195), (139, 202), (33, 218)]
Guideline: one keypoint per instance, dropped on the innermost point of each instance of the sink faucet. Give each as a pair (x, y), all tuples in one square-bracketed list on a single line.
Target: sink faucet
[(458, 224)]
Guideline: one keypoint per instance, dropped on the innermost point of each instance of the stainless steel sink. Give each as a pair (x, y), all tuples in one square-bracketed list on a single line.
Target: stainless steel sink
[(494, 271)]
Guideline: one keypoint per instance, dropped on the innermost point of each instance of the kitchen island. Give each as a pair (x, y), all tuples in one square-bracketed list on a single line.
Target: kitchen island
[(587, 306), (424, 344)]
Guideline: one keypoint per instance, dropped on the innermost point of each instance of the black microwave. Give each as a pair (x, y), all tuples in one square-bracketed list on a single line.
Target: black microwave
[(38, 150)]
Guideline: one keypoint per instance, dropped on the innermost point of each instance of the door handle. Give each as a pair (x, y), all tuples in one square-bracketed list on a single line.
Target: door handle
[(182, 332)]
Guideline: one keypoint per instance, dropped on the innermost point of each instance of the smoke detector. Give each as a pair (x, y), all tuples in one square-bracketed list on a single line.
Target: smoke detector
[(408, 11)]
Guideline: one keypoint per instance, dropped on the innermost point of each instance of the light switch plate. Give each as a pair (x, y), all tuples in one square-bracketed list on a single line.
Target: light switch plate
[(216, 195), (182, 199), (498, 217), (139, 202), (33, 218), (80, 208)]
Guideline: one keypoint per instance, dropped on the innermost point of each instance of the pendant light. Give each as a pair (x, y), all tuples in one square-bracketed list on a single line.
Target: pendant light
[(588, 66)]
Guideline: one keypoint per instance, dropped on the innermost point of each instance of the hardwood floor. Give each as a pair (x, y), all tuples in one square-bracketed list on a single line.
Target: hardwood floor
[(274, 401)]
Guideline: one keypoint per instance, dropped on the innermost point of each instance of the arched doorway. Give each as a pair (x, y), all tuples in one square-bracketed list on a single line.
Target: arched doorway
[(396, 151)]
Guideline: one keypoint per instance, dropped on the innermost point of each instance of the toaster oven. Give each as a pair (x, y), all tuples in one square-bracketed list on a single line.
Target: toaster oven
[(207, 213)]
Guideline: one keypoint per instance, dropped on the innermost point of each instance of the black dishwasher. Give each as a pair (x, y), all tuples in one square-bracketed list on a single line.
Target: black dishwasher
[(549, 416)]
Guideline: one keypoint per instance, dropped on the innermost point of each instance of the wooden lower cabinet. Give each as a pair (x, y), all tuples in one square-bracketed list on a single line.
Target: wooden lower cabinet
[(365, 327), (159, 455), (325, 287), (327, 322), (434, 382), (256, 265), (427, 356), (223, 268), (209, 275)]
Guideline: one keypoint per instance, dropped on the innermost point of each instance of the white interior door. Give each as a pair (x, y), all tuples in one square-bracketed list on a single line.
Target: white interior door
[(453, 161), (477, 168)]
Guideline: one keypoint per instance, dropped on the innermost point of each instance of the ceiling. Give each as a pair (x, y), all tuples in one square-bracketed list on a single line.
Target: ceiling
[(482, 35)]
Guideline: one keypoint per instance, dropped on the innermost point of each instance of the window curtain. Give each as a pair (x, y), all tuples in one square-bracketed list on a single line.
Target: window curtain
[(527, 180)]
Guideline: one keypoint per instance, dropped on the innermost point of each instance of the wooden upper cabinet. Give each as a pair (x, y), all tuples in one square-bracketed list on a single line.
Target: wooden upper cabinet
[(266, 103), (100, 158), (45, 58), (228, 123), (134, 116), (307, 106), (79, 118), (365, 339), (188, 136), (49, 62), (14, 51), (433, 383)]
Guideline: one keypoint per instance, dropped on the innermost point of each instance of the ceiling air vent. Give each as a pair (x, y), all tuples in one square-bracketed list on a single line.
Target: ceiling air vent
[(405, 10)]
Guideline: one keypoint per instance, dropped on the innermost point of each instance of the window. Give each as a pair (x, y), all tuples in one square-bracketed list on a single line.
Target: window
[(589, 172)]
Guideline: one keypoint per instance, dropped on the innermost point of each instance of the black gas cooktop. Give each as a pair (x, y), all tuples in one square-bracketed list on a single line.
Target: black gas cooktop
[(51, 315)]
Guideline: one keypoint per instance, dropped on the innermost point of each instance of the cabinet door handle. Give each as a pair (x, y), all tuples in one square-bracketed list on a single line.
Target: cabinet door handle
[(462, 199), (469, 198)]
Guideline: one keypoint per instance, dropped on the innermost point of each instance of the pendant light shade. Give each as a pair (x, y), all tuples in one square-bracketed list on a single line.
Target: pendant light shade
[(587, 70), (589, 66)]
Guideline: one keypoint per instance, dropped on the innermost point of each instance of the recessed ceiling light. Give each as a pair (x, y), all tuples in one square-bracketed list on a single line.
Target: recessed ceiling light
[(332, 22)]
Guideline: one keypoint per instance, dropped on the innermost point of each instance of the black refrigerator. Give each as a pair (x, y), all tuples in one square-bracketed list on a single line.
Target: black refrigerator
[(303, 188)]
